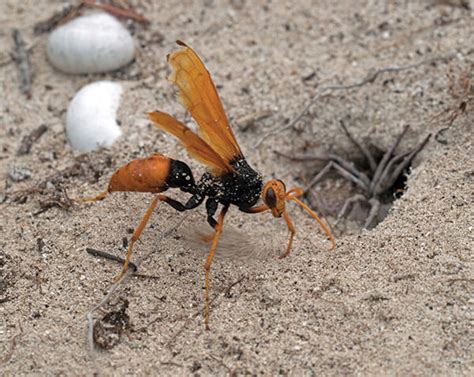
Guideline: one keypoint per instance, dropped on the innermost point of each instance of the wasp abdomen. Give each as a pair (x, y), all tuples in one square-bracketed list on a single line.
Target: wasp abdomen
[(143, 175)]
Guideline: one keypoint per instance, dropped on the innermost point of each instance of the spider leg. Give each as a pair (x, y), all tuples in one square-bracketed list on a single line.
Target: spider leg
[(385, 159), (373, 213), (348, 206), (381, 186), (361, 147), (385, 183), (348, 174), (318, 176)]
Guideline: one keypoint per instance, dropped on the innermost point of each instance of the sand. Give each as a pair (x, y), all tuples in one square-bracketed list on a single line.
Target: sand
[(395, 300)]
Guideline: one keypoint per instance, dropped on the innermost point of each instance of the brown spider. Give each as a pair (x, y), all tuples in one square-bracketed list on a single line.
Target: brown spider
[(380, 179)]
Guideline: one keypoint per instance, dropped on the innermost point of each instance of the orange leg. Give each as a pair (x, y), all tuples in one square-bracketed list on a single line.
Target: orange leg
[(314, 216), (292, 230), (296, 191), (210, 257), (138, 231), (258, 209)]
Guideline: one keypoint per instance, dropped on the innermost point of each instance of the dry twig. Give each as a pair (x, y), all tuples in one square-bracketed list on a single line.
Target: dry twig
[(58, 18), (327, 90), (28, 141), (117, 11)]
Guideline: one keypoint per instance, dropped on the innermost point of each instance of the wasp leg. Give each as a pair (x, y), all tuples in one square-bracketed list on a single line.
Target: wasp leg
[(193, 202), (256, 209), (211, 208), (210, 257), (292, 230), (136, 235)]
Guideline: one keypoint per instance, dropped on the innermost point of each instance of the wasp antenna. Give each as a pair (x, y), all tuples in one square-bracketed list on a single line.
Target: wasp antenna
[(181, 43), (314, 216)]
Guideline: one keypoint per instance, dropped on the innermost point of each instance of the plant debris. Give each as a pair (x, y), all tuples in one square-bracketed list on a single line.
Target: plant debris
[(19, 173), (116, 10), (28, 141), (108, 330), (58, 18)]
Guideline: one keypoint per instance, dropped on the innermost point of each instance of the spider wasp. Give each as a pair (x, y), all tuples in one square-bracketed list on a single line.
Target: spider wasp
[(230, 180)]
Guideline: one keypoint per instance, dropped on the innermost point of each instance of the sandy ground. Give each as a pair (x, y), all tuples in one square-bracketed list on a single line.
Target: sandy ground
[(396, 300)]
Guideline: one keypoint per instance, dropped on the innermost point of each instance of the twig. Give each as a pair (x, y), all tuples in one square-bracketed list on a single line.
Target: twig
[(326, 90), (57, 18), (9, 354), (28, 141), (117, 284), (304, 158), (117, 11), (246, 122), (22, 59), (105, 255)]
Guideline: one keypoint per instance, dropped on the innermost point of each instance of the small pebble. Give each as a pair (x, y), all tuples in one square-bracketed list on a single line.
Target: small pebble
[(90, 44), (19, 173), (91, 116)]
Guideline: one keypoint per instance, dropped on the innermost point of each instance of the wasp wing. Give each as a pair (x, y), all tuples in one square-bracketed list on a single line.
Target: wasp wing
[(195, 146), (198, 94)]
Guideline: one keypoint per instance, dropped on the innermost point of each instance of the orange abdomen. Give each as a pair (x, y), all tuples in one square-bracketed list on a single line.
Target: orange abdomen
[(143, 175)]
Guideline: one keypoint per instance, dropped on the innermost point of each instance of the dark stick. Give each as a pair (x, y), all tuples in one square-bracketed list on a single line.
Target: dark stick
[(28, 141), (104, 254), (22, 59)]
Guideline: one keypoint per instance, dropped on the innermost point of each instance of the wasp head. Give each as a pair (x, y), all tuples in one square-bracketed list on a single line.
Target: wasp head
[(274, 196)]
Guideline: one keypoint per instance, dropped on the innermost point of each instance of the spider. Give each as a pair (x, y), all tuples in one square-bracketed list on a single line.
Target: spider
[(380, 179)]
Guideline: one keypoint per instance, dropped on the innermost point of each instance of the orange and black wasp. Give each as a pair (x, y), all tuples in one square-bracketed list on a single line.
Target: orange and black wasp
[(229, 181)]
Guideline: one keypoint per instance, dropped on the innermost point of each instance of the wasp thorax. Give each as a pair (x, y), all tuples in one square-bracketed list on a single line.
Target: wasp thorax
[(274, 195)]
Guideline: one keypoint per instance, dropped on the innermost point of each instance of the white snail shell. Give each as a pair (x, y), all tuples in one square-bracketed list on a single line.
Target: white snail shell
[(91, 116), (90, 44)]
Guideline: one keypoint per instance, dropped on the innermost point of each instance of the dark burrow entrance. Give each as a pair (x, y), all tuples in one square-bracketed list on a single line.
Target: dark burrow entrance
[(360, 190)]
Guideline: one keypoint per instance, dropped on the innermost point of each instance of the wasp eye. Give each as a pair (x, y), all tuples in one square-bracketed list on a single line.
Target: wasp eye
[(270, 198)]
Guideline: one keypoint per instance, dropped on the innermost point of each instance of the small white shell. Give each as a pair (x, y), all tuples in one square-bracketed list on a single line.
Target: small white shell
[(90, 119), (90, 44)]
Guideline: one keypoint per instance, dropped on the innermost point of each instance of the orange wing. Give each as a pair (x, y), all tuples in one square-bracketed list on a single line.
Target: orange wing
[(199, 95), (196, 146)]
